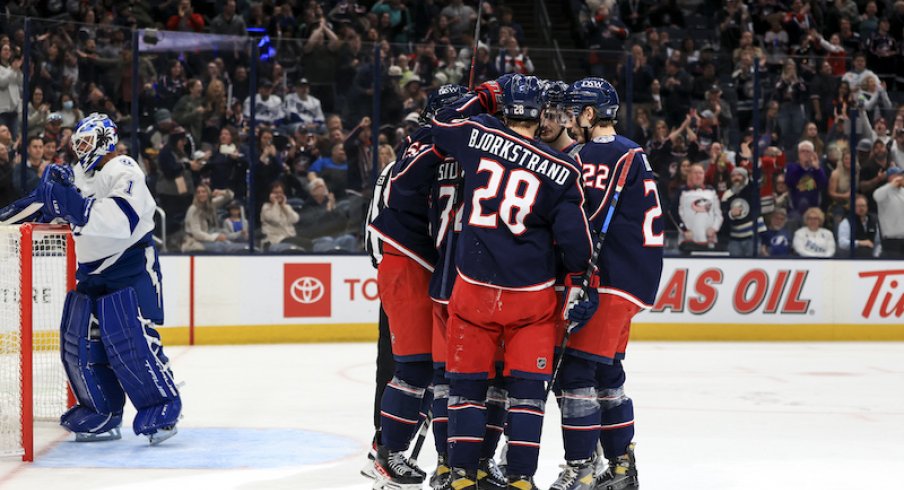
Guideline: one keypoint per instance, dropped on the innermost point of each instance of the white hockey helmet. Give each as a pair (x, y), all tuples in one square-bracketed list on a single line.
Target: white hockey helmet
[(94, 136)]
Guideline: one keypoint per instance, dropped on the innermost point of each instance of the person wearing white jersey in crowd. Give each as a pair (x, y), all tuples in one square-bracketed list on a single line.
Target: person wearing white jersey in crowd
[(812, 240)]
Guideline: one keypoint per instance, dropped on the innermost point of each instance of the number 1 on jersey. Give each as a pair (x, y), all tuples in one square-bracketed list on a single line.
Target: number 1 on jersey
[(518, 197)]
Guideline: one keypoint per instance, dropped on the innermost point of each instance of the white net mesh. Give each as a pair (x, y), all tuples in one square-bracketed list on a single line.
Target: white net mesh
[(49, 285)]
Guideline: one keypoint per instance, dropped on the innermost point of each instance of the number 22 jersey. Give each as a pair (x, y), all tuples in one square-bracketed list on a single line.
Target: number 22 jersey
[(630, 262)]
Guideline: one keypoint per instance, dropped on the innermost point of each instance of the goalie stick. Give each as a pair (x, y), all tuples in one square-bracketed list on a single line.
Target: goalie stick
[(591, 266)]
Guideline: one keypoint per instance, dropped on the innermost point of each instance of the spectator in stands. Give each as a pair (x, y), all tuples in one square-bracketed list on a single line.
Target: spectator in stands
[(175, 183), (883, 50), (33, 169), (38, 110), (896, 148), (172, 85), (333, 169), (70, 113), (359, 155), (268, 107), (227, 22), (676, 86), (227, 165), (858, 73), (811, 134), (185, 19), (822, 89), (461, 18), (791, 93), (867, 240), (191, 110), (776, 241), (812, 240), (303, 110), (890, 200), (874, 98), (270, 165), (324, 221), (514, 59), (719, 169), (235, 225), (737, 209), (776, 41), (700, 212), (8, 192), (278, 220), (873, 173), (10, 87), (51, 152), (806, 179), (839, 189), (53, 128), (202, 230)]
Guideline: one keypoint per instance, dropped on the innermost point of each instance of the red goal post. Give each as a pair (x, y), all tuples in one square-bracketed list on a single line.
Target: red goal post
[(39, 259)]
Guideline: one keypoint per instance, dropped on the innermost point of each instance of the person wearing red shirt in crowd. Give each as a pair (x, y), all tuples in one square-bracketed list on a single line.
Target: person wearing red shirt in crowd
[(186, 19), (718, 173)]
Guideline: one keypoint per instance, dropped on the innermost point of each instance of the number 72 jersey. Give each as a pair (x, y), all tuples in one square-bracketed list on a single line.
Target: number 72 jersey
[(630, 262)]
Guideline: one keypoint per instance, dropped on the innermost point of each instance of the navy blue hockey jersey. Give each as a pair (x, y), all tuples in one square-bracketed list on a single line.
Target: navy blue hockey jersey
[(445, 216), (630, 262), (404, 222), (521, 198)]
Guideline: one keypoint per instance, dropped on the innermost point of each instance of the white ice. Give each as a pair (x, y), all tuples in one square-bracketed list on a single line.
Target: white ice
[(709, 416)]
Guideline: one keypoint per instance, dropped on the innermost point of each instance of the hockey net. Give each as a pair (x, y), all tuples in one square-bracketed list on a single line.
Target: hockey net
[(39, 258)]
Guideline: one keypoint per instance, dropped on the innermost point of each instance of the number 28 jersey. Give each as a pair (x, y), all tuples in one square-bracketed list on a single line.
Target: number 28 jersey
[(630, 262), (522, 200)]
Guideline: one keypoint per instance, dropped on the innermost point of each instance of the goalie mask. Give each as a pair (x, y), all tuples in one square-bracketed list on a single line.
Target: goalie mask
[(94, 137)]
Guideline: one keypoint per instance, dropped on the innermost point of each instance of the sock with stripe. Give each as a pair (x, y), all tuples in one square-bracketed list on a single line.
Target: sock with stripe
[(525, 424), (617, 417), (467, 421), (402, 403)]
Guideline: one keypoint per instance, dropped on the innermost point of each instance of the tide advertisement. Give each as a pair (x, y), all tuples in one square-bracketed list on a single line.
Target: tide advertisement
[(324, 298)]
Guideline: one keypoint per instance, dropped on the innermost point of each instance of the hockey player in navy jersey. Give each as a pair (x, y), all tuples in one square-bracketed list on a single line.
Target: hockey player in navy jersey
[(522, 199), (555, 120), (418, 204), (594, 405), (109, 344)]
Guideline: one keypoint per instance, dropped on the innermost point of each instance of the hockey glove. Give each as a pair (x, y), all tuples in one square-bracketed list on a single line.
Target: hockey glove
[(580, 302), (61, 201), (22, 210), (490, 95), (61, 174)]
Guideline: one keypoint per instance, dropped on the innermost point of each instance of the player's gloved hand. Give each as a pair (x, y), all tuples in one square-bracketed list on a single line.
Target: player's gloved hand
[(62, 201), (21, 210), (61, 174), (490, 95), (505, 80), (581, 302)]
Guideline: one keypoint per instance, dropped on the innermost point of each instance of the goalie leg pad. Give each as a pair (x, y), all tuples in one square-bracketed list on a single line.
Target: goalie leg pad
[(100, 397), (136, 356)]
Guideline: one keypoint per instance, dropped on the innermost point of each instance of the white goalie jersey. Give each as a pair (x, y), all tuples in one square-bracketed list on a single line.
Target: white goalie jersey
[(121, 214)]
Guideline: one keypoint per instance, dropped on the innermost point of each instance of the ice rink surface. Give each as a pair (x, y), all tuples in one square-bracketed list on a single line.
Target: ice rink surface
[(709, 416)]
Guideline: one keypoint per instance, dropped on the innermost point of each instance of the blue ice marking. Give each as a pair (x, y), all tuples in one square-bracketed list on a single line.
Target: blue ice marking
[(200, 448)]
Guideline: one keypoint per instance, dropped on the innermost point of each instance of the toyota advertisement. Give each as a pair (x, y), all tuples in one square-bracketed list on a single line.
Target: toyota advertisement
[(317, 291)]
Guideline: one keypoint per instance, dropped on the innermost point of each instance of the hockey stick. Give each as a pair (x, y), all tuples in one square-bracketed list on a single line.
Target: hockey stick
[(591, 266), (421, 437), (476, 43)]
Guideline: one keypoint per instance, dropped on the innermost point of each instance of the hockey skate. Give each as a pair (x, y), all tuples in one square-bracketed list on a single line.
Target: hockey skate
[(521, 483), (621, 473), (576, 475), (442, 474), (489, 476), (162, 435), (113, 434), (368, 470), (393, 471), (460, 479)]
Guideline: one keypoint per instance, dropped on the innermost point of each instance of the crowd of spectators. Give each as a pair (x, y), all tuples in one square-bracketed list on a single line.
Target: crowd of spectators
[(827, 68), (828, 74)]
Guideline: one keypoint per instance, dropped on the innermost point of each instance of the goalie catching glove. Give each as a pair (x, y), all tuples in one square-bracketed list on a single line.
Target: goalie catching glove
[(581, 301)]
